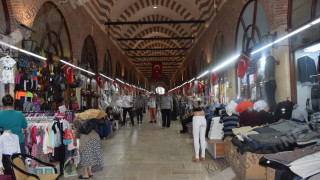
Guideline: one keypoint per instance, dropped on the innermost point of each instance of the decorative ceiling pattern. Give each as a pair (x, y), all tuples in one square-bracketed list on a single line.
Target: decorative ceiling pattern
[(159, 47)]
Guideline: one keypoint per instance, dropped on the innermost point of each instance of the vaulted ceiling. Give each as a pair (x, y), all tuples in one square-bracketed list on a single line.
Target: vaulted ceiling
[(154, 42)]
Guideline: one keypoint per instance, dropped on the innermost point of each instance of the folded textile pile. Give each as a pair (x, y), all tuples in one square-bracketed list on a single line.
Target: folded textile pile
[(216, 129), (304, 162)]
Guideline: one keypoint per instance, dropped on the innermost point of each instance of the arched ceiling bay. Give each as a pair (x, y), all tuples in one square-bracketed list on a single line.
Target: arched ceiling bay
[(131, 24)]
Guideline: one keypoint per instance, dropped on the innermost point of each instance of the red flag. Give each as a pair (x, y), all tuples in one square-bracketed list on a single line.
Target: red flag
[(200, 86), (114, 83), (98, 78), (179, 91), (157, 70), (192, 84), (68, 72), (124, 87), (214, 77), (243, 65)]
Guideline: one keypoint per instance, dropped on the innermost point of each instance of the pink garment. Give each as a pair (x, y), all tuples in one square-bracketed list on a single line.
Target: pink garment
[(34, 154)]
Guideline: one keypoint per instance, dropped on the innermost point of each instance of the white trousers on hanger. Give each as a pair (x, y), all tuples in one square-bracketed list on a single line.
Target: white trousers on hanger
[(199, 125)]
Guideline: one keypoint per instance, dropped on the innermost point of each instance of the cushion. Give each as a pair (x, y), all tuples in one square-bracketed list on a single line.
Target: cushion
[(44, 176)]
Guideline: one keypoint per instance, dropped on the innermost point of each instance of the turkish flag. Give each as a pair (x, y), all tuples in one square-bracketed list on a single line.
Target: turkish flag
[(200, 86), (179, 91), (68, 72), (157, 70), (243, 64), (214, 77), (98, 78), (124, 87)]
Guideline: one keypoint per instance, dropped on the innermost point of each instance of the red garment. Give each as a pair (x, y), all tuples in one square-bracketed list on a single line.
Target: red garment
[(200, 87), (214, 77), (243, 65), (243, 106)]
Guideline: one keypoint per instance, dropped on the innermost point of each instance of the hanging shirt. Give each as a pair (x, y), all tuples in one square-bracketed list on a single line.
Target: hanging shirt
[(7, 71), (9, 144)]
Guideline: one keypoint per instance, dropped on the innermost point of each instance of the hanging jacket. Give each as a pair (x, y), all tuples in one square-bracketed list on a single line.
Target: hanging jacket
[(306, 68)]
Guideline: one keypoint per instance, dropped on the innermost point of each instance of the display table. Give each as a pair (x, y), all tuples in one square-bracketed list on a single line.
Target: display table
[(245, 165), (215, 148)]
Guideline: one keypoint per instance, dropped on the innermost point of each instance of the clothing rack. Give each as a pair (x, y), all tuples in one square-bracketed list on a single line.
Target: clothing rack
[(314, 75), (62, 147)]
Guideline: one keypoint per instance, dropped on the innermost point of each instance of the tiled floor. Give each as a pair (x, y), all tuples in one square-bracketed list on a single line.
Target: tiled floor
[(148, 152)]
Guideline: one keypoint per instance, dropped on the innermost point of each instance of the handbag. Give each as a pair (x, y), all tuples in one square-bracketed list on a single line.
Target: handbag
[(88, 126), (75, 106), (68, 134)]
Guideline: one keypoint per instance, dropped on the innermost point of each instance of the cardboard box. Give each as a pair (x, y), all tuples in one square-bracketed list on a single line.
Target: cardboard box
[(47, 169), (216, 148), (271, 173)]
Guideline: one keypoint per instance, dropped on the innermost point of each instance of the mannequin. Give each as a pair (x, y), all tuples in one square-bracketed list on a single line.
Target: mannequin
[(269, 82)]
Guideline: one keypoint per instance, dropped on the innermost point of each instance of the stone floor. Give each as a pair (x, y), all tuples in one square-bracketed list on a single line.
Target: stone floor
[(148, 152)]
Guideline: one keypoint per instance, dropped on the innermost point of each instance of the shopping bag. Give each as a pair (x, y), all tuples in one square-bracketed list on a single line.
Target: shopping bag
[(70, 167)]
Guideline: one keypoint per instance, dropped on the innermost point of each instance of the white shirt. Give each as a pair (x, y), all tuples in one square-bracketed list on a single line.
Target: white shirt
[(9, 144), (152, 103), (127, 101), (7, 71)]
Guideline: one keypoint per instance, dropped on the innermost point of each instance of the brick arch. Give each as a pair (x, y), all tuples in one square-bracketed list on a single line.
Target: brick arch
[(177, 27)]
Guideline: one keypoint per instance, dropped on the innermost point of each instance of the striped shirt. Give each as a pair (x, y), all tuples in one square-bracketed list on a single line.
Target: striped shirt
[(229, 123)]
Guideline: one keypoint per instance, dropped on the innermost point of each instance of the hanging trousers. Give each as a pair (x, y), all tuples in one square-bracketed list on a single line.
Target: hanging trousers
[(270, 91)]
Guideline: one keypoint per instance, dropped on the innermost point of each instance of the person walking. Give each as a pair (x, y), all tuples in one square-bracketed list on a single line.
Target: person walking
[(152, 109), (127, 101), (139, 105), (166, 109)]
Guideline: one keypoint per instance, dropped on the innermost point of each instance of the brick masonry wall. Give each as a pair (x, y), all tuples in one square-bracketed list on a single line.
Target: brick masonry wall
[(226, 21), (80, 24)]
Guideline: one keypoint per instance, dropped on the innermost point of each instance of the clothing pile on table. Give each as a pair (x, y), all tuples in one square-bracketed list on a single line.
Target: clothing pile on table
[(216, 129)]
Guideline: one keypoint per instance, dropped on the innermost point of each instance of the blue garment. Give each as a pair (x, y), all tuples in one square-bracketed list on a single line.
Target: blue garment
[(213, 106)]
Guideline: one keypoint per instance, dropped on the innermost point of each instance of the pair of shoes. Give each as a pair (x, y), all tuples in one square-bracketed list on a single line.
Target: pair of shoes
[(150, 121), (183, 132), (195, 159), (81, 177), (202, 158)]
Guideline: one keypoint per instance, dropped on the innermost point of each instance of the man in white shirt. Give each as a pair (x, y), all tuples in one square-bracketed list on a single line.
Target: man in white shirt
[(152, 108), (127, 102)]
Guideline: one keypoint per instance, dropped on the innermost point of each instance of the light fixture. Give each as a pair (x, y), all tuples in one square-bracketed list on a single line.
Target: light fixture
[(313, 48), (155, 7), (227, 62), (65, 62), (202, 74), (29, 45), (22, 50)]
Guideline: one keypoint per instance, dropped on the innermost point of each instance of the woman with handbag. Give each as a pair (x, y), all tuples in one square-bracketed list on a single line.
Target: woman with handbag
[(90, 149)]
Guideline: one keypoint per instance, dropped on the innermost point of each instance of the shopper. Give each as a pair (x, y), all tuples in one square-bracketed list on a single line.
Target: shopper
[(13, 120), (90, 149), (127, 101), (199, 125), (152, 108), (139, 105), (166, 109)]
